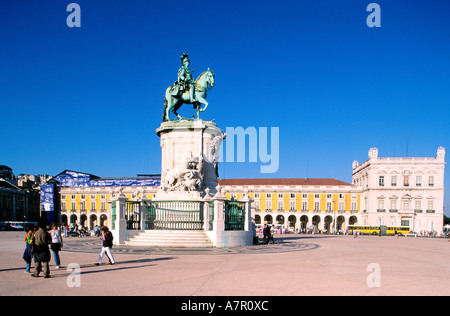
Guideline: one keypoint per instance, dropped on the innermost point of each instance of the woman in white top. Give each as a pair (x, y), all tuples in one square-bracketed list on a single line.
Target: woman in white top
[(57, 243)]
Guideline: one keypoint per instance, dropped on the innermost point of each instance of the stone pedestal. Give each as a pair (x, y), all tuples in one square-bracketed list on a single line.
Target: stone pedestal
[(189, 159)]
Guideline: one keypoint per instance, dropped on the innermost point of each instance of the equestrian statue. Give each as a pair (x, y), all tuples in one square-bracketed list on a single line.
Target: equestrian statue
[(186, 90)]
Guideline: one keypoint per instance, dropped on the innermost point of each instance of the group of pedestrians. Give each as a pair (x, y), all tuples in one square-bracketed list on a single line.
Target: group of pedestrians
[(38, 239), (267, 233), (74, 229)]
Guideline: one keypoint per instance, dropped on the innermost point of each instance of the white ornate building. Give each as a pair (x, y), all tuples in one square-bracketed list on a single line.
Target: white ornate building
[(406, 191)]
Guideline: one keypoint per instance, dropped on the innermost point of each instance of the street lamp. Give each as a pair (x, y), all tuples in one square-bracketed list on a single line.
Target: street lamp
[(380, 225)]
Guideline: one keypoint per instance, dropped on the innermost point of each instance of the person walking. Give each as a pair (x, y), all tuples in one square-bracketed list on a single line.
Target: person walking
[(265, 233), (269, 234), (41, 253), (27, 254), (57, 243), (96, 231), (80, 230), (107, 244)]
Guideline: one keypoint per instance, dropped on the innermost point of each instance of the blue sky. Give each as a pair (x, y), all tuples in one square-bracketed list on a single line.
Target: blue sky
[(90, 98)]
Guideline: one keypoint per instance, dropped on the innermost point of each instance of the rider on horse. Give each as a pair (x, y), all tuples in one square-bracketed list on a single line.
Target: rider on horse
[(186, 90), (185, 79)]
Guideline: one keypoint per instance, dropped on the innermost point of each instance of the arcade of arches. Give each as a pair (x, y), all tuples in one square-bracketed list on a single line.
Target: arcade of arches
[(93, 221), (304, 222)]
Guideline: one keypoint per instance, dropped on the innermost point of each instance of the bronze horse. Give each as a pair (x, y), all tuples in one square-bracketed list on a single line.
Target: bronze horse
[(203, 83)]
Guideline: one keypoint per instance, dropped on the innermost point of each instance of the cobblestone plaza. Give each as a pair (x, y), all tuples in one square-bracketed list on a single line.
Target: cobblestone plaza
[(295, 265)]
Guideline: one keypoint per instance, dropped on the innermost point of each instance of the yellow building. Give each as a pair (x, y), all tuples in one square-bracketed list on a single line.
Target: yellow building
[(324, 205)]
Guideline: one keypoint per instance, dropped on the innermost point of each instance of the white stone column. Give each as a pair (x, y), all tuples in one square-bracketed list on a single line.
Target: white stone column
[(248, 224), (206, 212), (219, 207), (120, 230), (143, 210)]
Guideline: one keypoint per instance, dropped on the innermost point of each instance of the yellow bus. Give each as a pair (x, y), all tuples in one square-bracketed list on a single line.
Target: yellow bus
[(401, 230), (375, 230)]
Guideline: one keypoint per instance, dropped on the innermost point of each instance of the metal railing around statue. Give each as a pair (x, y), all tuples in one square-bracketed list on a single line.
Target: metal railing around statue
[(211, 216), (234, 215), (176, 215), (189, 215), (133, 215)]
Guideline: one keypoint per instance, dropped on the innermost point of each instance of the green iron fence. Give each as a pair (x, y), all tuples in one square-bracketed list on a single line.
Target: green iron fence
[(211, 215), (113, 215), (133, 215), (234, 215), (188, 215), (177, 215)]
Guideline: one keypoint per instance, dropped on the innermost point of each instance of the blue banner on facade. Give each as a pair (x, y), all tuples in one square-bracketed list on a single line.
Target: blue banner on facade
[(75, 179), (48, 202), (124, 183)]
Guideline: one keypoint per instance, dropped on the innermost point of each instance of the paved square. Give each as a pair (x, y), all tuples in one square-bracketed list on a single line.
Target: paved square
[(295, 265)]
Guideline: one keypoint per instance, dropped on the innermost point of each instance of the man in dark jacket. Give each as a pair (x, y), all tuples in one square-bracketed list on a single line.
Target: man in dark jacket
[(269, 234), (41, 253), (107, 244), (265, 233)]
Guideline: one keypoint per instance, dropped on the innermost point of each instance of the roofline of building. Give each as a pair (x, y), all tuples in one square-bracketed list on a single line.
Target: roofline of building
[(284, 181)]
